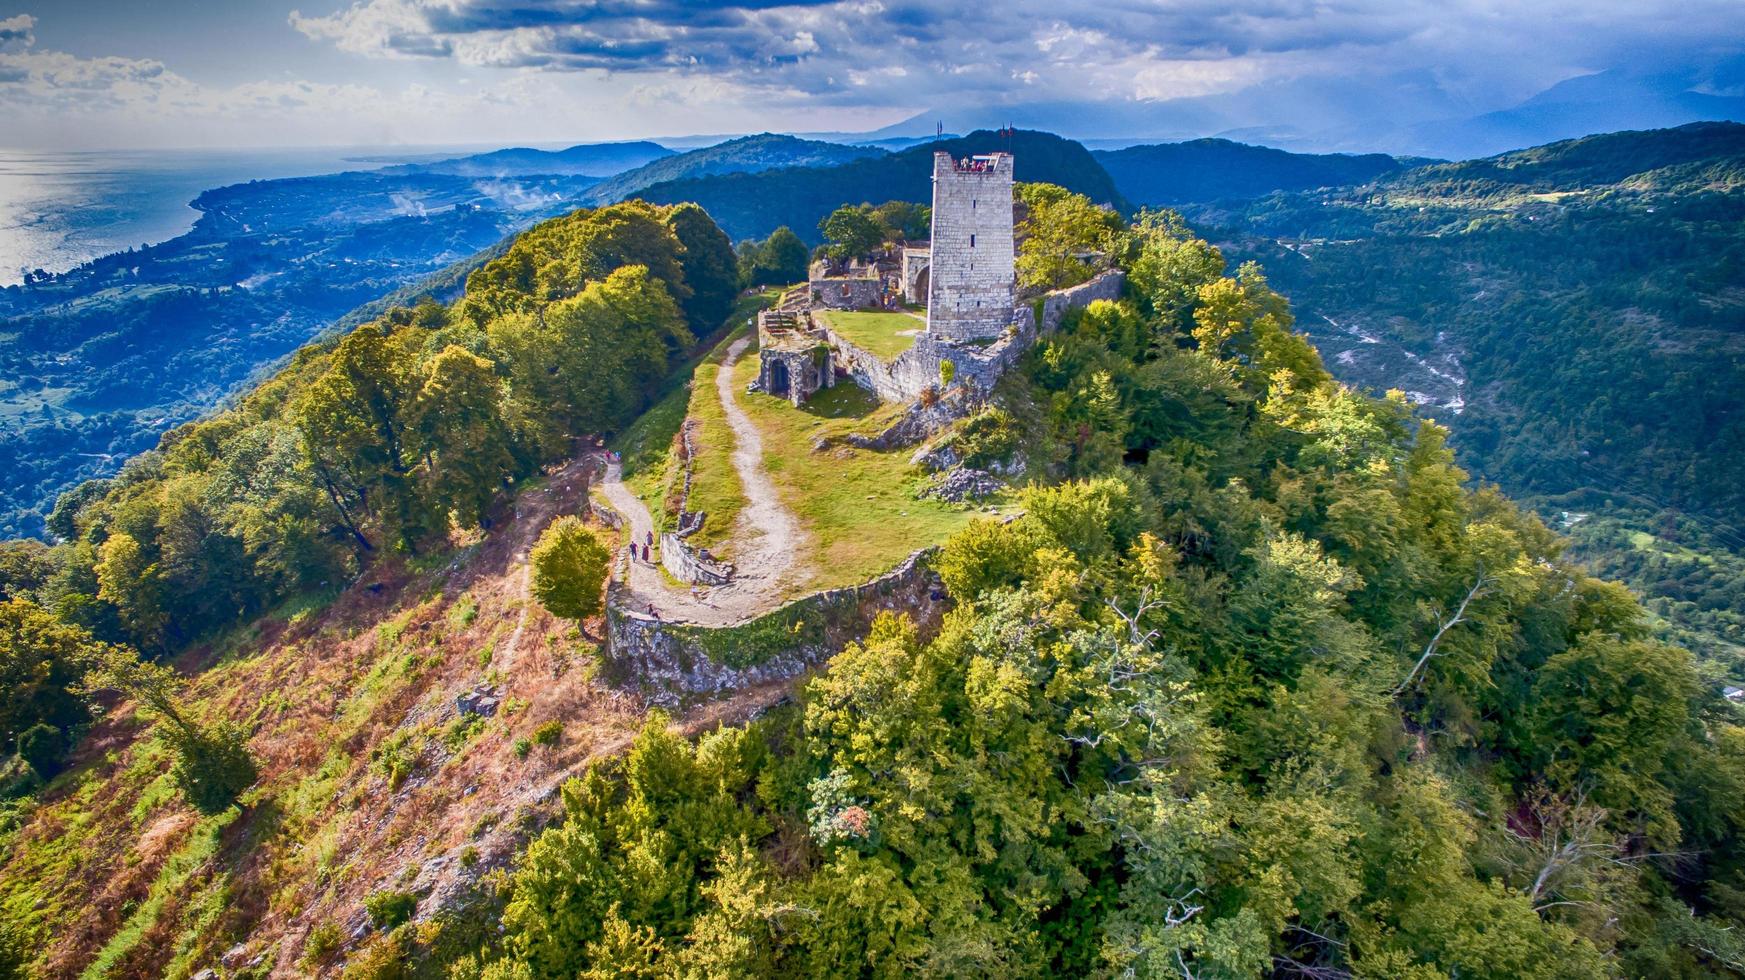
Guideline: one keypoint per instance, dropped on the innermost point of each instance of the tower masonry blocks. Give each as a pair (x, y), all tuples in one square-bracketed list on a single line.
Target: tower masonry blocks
[(971, 279), (967, 277)]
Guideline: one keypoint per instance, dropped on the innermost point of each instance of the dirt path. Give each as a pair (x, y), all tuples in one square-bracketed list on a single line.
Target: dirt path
[(565, 492), (766, 536)]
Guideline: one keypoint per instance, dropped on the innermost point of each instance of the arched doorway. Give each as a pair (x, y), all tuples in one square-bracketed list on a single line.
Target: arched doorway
[(778, 378)]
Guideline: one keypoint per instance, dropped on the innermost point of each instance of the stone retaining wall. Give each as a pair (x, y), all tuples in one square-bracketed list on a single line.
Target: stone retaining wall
[(688, 565), (975, 365), (1106, 285), (671, 662)]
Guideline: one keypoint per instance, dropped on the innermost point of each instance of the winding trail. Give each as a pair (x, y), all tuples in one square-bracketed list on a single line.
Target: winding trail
[(766, 535), (563, 494)]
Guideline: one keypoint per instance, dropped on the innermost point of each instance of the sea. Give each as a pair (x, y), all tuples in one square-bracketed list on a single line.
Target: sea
[(59, 209)]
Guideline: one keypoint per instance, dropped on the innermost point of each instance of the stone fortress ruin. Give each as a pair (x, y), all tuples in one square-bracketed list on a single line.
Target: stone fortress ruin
[(972, 280), (965, 275)]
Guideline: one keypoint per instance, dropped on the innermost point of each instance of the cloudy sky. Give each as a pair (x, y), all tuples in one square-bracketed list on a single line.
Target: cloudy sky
[(105, 73)]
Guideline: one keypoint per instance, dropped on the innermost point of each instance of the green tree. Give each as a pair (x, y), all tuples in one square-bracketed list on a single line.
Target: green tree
[(779, 260), (1062, 237), (905, 220), (709, 265), (570, 563), (213, 765), (42, 664), (355, 419), (851, 231), (1605, 714), (462, 436), (25, 567), (129, 581)]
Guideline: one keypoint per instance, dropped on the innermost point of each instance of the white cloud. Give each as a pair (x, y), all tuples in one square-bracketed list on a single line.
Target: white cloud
[(489, 69)]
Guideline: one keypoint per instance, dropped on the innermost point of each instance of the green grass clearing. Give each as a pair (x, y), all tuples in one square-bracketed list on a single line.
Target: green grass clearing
[(651, 469), (885, 335), (715, 486), (859, 506)]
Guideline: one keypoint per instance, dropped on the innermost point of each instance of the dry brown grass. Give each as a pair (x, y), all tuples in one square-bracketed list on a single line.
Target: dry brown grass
[(381, 665)]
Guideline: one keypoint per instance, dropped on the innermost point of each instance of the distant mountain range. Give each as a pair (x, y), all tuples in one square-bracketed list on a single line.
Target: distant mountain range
[(583, 160), (747, 154), (1409, 113), (1214, 169), (751, 205)]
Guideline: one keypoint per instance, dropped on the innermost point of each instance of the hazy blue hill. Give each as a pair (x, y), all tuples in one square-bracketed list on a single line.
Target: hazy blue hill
[(1598, 103), (751, 205), (1215, 169), (748, 154), (97, 362), (586, 159)]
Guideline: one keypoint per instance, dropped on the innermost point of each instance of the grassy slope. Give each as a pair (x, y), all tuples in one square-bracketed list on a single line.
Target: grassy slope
[(859, 506), (715, 484), (651, 467), (367, 773)]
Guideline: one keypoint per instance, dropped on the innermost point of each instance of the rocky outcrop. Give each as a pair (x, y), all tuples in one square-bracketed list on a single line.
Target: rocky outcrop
[(922, 421), (964, 484), (673, 662)]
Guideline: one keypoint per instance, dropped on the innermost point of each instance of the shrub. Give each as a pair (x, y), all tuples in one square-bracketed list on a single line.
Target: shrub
[(548, 733), (569, 569), (390, 908), (522, 747), (322, 942), (42, 745), (988, 437), (394, 759), (384, 958), (213, 766)]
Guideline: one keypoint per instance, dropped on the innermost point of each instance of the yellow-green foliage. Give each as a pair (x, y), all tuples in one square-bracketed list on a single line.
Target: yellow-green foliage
[(570, 562)]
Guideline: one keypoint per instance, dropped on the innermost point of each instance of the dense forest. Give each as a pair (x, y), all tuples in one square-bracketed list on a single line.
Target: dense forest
[(1255, 687), (1571, 311), (1259, 684), (752, 205)]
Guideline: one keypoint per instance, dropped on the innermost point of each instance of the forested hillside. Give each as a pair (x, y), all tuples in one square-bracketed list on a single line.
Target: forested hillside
[(747, 154), (1573, 313), (97, 363), (1216, 169), (751, 205), (1255, 687), (332, 561)]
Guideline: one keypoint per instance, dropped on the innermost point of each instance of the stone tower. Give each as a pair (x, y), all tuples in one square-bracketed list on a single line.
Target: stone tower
[(971, 280)]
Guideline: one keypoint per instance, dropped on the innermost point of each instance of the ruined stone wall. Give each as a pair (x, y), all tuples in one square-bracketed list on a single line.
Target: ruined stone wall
[(915, 279), (977, 365), (685, 564), (1105, 285), (970, 268), (848, 292), (806, 368), (672, 662), (897, 380)]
